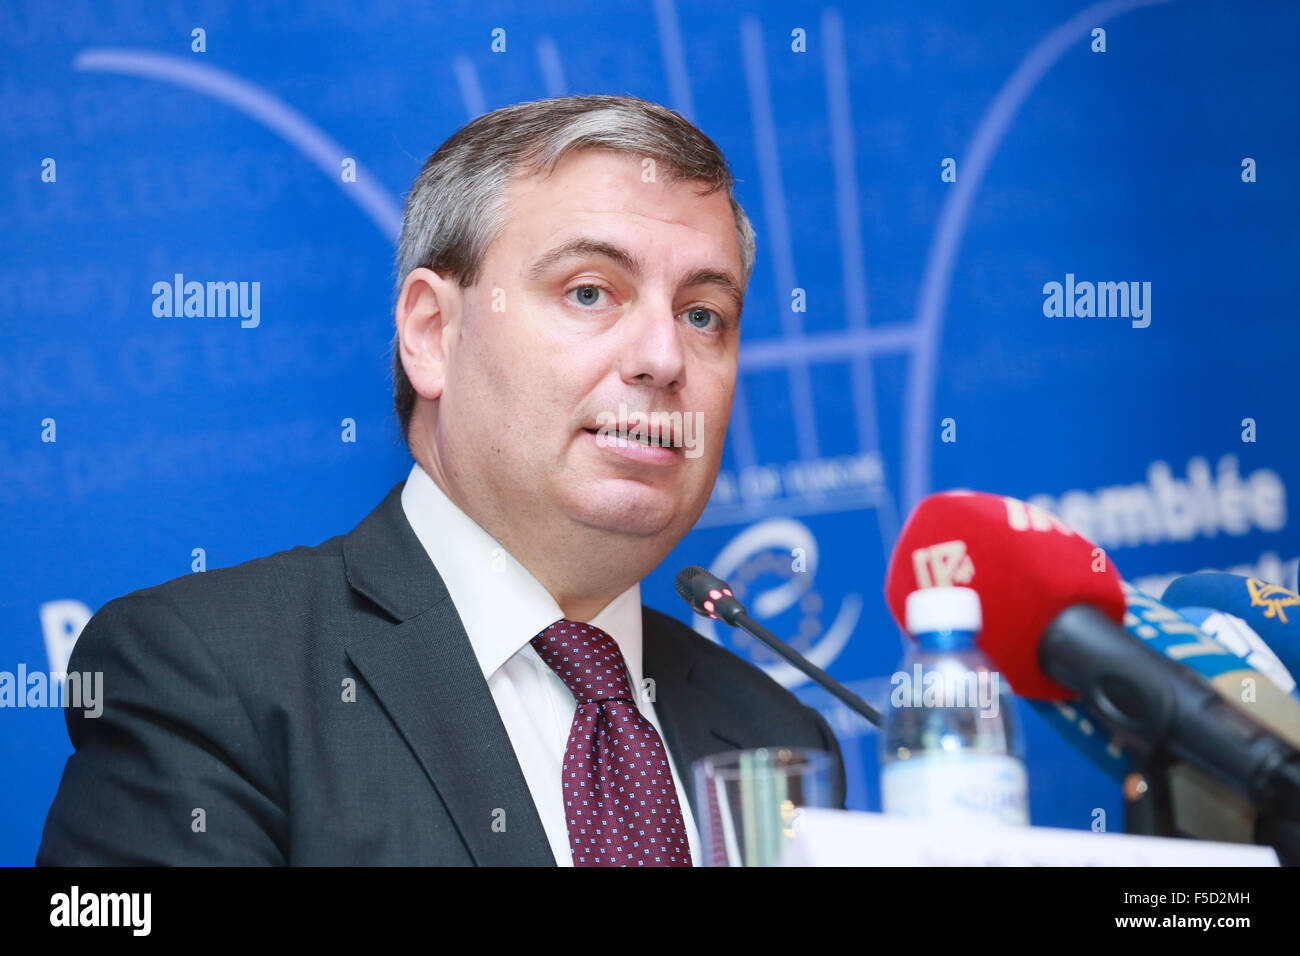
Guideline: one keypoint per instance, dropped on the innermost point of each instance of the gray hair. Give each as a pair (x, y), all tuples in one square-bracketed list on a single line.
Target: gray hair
[(457, 206)]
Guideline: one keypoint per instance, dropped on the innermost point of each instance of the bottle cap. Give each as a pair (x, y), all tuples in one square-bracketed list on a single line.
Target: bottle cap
[(943, 609)]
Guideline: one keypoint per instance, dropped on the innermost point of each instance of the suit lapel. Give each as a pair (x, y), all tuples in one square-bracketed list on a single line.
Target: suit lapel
[(694, 725), (423, 670)]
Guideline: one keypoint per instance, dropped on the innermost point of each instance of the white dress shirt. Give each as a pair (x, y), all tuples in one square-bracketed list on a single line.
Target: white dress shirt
[(502, 607)]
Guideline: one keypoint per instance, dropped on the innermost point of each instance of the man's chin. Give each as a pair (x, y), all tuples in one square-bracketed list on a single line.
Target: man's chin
[(626, 507)]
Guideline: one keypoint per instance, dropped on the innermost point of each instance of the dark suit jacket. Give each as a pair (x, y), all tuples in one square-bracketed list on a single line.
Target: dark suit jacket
[(226, 739)]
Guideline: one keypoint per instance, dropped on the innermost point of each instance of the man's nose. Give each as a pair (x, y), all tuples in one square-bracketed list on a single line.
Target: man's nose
[(653, 353)]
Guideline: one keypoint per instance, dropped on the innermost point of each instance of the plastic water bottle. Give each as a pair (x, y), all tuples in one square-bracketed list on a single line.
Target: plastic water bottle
[(949, 744)]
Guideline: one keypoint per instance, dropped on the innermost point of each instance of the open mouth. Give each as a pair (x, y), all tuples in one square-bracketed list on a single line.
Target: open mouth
[(638, 436)]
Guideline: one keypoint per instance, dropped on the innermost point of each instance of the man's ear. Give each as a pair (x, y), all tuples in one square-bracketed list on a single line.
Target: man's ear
[(428, 318)]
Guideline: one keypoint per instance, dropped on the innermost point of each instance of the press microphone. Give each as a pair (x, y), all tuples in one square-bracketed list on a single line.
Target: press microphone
[(710, 596), (1197, 806), (1239, 683), (1241, 639), (1183, 636), (1272, 612), (1053, 615)]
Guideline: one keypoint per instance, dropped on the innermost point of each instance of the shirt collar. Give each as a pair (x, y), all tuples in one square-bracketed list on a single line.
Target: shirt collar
[(501, 605)]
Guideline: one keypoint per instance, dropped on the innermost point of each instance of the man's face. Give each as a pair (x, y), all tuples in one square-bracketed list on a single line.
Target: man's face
[(602, 291)]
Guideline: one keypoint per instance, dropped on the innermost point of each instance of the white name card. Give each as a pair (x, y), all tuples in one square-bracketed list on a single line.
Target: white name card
[(850, 838)]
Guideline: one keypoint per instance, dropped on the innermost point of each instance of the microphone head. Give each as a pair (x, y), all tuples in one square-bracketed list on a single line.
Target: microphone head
[(686, 582), (709, 595), (1026, 564)]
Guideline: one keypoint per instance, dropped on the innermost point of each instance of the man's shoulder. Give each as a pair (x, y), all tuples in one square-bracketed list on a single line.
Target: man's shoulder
[(243, 627), (291, 576), (305, 580)]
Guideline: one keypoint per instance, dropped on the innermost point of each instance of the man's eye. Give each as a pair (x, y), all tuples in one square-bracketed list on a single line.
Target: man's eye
[(701, 317), (587, 294)]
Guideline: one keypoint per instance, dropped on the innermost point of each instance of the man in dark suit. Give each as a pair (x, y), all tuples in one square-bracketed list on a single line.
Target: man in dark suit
[(468, 676)]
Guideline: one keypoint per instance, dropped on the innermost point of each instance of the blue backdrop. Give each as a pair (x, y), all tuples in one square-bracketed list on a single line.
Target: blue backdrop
[(917, 175)]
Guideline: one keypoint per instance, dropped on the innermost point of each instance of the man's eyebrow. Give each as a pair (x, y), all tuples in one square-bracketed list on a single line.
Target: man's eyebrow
[(586, 246), (722, 280), (576, 248)]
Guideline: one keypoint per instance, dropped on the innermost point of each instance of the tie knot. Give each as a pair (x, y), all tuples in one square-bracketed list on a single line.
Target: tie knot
[(586, 659)]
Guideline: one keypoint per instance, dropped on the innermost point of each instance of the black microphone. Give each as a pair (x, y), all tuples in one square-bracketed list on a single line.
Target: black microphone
[(1157, 705), (711, 596)]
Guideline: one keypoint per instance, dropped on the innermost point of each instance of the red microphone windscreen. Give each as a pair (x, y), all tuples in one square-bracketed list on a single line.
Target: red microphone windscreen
[(1027, 565)]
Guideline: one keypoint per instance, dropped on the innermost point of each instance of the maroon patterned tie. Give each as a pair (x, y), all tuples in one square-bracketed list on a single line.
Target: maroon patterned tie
[(619, 799)]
